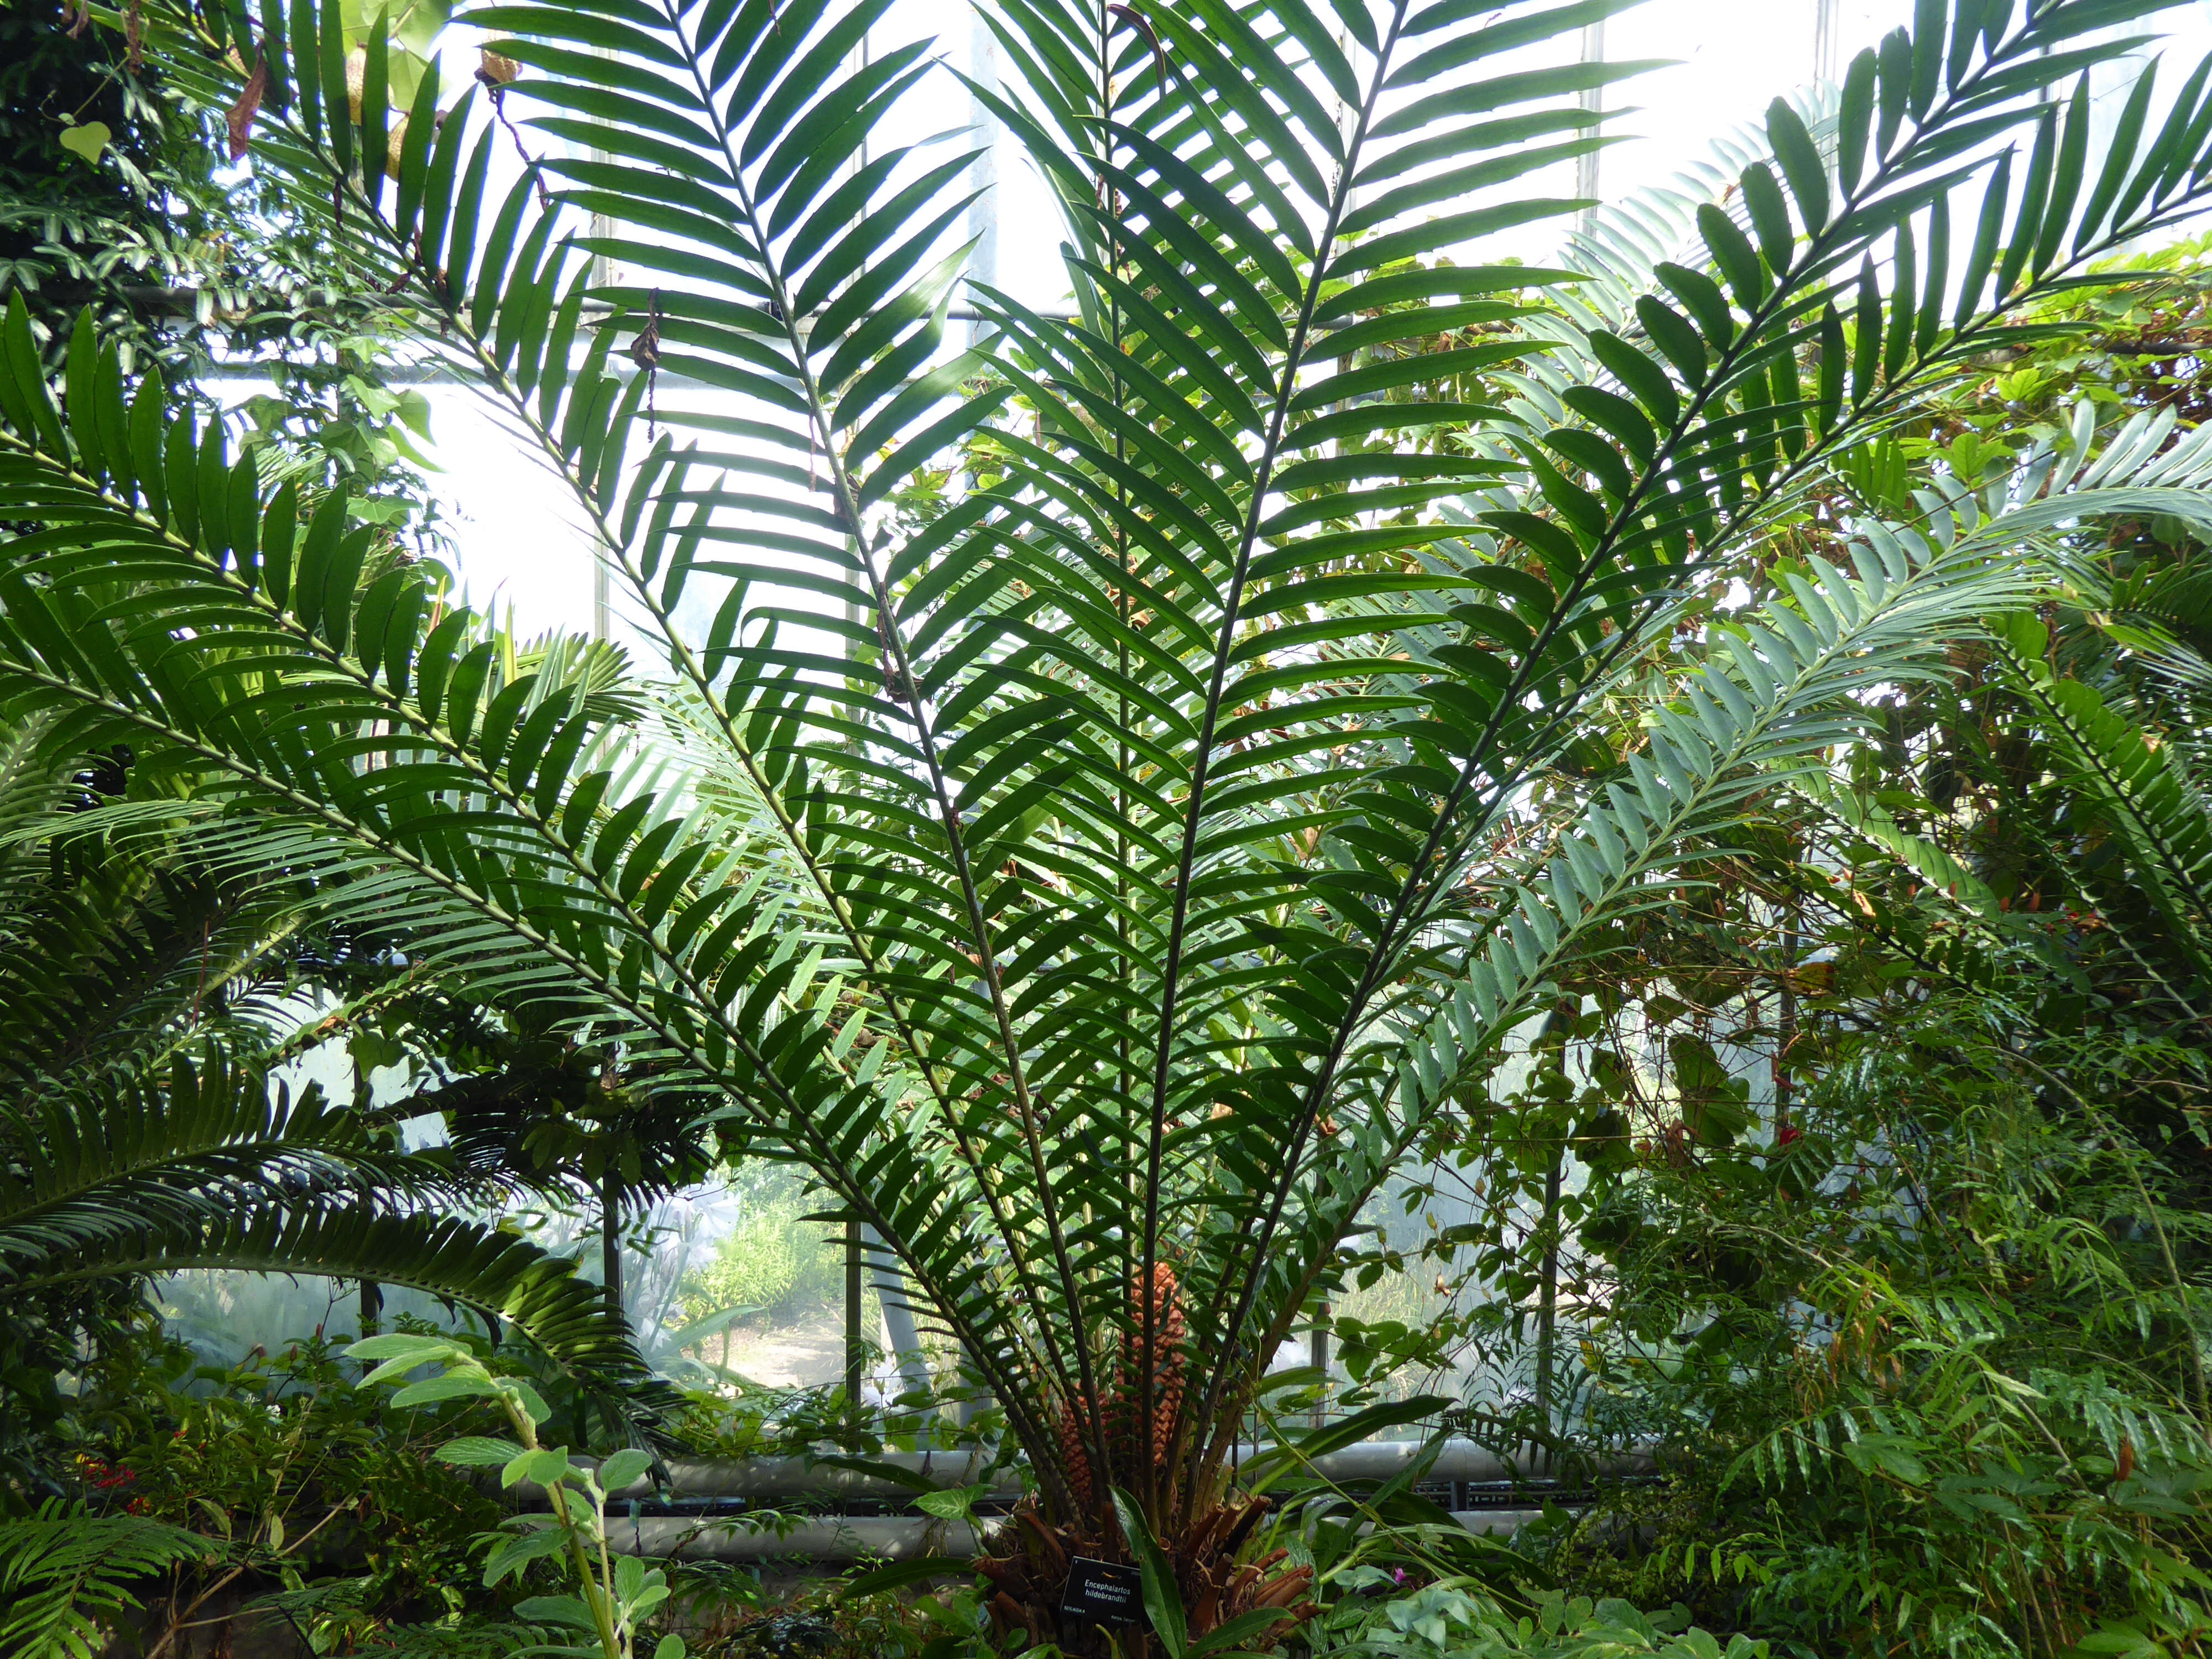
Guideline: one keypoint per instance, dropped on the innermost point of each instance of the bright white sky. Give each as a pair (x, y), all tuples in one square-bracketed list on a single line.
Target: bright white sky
[(1730, 57)]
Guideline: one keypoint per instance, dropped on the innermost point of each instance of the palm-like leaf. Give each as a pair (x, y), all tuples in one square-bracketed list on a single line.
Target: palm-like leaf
[(131, 1143), (2140, 788), (2123, 790), (66, 1573), (1138, 880), (110, 962), (204, 1169)]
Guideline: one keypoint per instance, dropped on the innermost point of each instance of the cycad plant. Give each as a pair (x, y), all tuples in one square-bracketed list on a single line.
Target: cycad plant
[(146, 1009), (1130, 849)]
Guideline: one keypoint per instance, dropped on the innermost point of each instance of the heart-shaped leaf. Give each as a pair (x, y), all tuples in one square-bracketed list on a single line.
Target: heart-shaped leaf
[(87, 139)]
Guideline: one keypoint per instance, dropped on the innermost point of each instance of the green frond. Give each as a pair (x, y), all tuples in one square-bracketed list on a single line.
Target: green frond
[(1165, 788), (2159, 814), (86, 1170), (66, 1575), (457, 1261)]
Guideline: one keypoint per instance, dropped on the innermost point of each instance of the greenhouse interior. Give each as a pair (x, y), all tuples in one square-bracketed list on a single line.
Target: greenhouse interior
[(1105, 829)]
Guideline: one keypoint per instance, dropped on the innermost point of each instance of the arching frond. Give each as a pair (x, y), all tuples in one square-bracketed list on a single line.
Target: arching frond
[(1105, 870)]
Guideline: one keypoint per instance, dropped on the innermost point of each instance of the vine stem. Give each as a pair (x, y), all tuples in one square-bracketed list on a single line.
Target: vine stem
[(596, 1595)]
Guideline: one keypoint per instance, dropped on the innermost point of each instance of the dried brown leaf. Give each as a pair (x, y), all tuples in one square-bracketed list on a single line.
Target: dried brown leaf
[(240, 117)]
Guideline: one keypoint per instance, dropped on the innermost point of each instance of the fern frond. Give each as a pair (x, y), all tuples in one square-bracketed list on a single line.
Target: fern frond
[(67, 1576)]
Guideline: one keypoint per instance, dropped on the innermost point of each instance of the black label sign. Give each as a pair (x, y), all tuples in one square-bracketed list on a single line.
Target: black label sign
[(1103, 1593)]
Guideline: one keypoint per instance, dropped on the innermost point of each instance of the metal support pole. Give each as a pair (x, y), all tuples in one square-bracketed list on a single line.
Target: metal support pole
[(1785, 1033), (603, 276), (1547, 1295), (983, 173), (371, 1293), (856, 1352), (1593, 100), (1827, 47), (1318, 1355), (856, 1340), (898, 1317)]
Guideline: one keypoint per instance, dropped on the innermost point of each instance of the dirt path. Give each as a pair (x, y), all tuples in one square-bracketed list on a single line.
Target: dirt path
[(805, 1354)]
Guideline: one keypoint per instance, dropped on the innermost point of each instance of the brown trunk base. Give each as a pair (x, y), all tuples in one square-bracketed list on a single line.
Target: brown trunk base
[(1028, 1578)]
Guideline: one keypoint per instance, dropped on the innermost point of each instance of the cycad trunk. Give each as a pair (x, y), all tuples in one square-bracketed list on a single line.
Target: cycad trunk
[(1029, 1576), (1207, 1527)]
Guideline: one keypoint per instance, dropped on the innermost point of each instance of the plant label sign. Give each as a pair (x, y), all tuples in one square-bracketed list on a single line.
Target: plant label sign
[(1103, 1593)]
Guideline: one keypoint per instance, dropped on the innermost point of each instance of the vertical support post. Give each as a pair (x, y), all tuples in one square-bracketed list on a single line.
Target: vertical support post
[(855, 1343), (371, 1293), (1827, 47), (610, 1219), (1593, 100), (1318, 1355), (603, 276), (1548, 1292), (905, 1338), (603, 607), (855, 64), (1786, 1032), (983, 173)]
